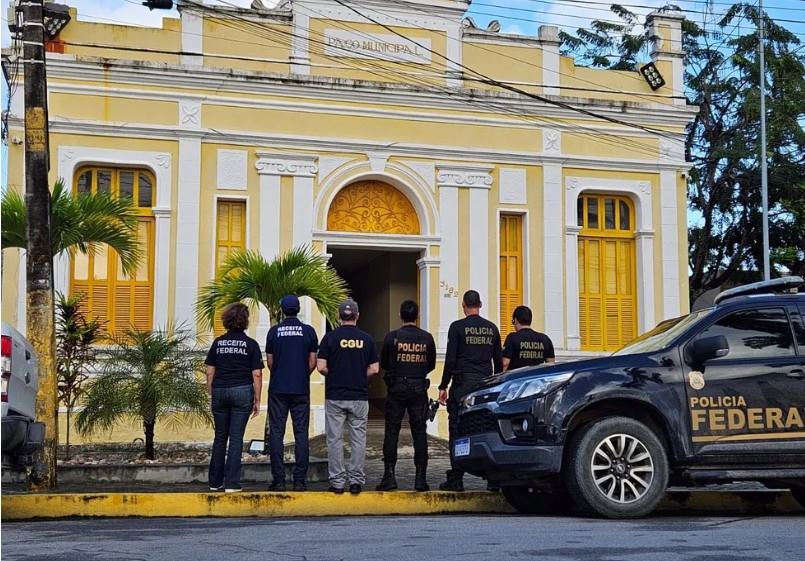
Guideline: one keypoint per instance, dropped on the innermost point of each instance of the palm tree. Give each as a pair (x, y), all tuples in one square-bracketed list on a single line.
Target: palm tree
[(246, 276), (78, 223), (146, 376)]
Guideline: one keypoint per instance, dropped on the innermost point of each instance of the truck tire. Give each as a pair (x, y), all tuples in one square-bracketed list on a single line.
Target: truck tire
[(528, 500), (799, 495), (616, 467)]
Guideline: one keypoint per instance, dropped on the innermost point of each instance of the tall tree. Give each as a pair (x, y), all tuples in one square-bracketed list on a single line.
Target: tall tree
[(723, 142), (78, 223)]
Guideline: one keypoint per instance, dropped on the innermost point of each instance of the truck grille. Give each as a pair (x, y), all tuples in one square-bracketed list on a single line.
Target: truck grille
[(477, 422)]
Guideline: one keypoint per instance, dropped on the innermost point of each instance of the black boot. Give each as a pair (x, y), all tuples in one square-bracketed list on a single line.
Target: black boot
[(389, 481), (421, 480)]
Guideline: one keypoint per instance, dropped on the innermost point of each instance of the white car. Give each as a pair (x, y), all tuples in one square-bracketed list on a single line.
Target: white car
[(22, 436)]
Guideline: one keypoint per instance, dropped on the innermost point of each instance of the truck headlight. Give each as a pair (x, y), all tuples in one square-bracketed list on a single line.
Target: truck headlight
[(518, 389)]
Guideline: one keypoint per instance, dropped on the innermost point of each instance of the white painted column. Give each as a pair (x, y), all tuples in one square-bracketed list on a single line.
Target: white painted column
[(162, 231), (572, 286), (192, 37), (61, 273), (22, 293), (644, 240), (450, 178), (272, 167), (453, 71), (303, 225), (448, 271), (425, 266), (300, 42), (479, 243), (551, 78), (670, 245), (187, 231), (552, 265)]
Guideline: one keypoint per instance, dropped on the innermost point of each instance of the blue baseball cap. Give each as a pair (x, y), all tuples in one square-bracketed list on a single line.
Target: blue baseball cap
[(289, 304)]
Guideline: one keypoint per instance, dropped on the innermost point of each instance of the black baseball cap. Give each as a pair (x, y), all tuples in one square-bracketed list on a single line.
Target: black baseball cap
[(348, 309)]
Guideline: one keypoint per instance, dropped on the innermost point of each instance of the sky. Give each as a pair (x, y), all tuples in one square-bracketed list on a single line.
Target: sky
[(515, 16)]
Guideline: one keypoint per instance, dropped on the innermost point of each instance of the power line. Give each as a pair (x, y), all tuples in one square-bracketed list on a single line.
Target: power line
[(509, 87), (614, 140)]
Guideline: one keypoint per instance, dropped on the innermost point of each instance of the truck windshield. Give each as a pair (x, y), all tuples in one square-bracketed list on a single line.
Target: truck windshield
[(659, 337)]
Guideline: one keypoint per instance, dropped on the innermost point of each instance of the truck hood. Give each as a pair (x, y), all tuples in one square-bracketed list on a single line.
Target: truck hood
[(550, 369)]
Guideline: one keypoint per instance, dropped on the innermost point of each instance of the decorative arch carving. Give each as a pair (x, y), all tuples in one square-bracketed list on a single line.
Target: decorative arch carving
[(372, 207)]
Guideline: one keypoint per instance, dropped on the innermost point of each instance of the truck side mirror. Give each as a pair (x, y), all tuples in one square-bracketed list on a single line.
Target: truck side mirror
[(706, 348)]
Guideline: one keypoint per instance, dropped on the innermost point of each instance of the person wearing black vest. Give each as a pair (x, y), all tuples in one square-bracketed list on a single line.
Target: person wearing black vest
[(234, 382), (526, 347), (473, 353), (407, 357), (291, 356)]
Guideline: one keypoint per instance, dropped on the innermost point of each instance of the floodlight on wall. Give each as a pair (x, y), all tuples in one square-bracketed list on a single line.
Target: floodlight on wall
[(652, 76), (158, 4), (57, 16)]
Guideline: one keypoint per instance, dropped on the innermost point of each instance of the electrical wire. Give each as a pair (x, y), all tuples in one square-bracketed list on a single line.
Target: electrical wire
[(615, 140)]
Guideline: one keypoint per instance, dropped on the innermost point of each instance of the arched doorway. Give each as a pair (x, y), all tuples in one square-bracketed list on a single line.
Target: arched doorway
[(379, 276)]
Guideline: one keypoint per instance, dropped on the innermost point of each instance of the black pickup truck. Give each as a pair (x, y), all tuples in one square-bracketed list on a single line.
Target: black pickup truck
[(714, 396)]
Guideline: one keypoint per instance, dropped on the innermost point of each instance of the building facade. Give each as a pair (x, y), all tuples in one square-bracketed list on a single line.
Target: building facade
[(423, 155)]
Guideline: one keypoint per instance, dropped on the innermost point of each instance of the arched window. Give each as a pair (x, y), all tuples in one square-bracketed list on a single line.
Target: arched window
[(119, 300), (607, 277)]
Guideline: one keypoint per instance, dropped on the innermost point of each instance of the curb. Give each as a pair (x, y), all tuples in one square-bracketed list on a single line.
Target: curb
[(261, 504), (310, 504)]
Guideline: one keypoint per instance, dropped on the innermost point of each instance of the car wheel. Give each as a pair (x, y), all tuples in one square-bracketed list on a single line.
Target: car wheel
[(529, 500), (799, 494), (616, 467)]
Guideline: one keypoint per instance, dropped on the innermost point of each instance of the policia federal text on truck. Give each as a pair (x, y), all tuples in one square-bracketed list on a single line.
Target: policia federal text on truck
[(717, 395)]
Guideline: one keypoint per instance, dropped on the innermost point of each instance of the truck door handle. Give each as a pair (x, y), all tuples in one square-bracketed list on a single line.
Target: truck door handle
[(797, 373)]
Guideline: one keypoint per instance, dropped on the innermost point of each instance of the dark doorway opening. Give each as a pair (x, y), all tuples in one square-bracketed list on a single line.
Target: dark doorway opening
[(378, 280)]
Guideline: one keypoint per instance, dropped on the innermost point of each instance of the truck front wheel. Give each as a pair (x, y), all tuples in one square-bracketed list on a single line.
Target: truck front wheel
[(616, 467)]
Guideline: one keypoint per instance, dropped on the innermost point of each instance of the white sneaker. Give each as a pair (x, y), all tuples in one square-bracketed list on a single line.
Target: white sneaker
[(234, 490)]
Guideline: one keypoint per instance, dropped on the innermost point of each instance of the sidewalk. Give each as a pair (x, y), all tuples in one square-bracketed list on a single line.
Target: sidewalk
[(126, 498)]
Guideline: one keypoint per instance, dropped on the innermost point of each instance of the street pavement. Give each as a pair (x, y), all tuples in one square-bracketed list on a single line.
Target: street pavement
[(413, 538)]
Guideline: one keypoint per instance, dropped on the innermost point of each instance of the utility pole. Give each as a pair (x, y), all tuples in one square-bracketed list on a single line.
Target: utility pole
[(764, 172), (39, 308)]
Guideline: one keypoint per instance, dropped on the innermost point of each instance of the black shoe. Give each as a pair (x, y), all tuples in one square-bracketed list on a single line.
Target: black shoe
[(420, 479), (389, 481), (299, 486), (355, 489), (277, 486), (493, 487), (456, 485), (336, 490)]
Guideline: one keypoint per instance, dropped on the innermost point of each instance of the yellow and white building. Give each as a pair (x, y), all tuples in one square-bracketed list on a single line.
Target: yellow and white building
[(386, 143)]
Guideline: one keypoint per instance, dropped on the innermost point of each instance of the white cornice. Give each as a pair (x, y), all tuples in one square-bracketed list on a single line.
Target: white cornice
[(336, 145), (172, 77)]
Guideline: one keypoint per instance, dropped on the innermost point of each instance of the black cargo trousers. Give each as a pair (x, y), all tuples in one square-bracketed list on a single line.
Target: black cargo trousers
[(411, 395), (462, 385)]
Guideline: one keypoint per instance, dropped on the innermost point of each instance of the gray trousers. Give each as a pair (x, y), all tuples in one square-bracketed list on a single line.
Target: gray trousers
[(356, 416)]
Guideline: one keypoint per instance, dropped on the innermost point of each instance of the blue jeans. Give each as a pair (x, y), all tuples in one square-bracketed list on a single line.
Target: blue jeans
[(231, 408), (278, 407)]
